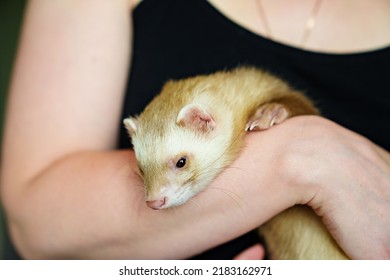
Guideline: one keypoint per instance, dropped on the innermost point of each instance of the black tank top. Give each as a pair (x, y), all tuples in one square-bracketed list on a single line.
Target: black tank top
[(175, 39)]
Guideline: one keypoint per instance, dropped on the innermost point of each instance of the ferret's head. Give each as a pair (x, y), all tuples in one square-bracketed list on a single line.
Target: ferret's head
[(178, 156)]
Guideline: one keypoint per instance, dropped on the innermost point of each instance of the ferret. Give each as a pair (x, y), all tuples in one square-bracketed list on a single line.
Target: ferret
[(194, 128)]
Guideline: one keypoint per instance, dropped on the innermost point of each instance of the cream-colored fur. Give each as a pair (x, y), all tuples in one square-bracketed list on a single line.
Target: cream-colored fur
[(203, 119)]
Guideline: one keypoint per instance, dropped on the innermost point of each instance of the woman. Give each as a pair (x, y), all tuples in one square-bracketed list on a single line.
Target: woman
[(69, 192)]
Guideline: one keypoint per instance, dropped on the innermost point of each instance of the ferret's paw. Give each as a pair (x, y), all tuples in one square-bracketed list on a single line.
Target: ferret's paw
[(266, 116)]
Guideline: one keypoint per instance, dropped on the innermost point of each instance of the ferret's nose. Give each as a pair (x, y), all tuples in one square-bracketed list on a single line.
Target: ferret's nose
[(157, 204)]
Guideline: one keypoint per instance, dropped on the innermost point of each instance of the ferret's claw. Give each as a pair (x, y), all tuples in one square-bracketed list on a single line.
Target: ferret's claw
[(253, 125), (267, 116)]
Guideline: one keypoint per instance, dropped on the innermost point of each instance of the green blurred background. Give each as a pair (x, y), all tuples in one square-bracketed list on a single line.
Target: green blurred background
[(11, 12)]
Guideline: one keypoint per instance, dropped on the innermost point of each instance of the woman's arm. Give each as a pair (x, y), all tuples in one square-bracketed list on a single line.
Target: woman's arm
[(65, 99), (67, 194)]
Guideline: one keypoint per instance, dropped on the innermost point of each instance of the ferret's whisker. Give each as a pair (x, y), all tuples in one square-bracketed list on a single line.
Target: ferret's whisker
[(237, 200), (230, 193), (240, 169), (211, 171), (140, 188), (198, 205), (232, 197), (236, 138), (217, 170), (174, 210)]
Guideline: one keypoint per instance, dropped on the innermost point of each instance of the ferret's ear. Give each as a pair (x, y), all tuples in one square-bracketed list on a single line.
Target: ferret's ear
[(131, 125), (197, 117)]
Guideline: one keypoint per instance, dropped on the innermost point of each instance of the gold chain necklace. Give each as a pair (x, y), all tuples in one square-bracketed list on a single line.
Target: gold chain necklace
[(310, 23)]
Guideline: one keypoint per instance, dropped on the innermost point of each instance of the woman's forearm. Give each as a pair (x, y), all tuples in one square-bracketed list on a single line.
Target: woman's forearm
[(91, 205)]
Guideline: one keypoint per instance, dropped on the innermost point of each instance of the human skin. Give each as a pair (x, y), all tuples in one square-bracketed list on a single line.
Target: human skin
[(69, 194)]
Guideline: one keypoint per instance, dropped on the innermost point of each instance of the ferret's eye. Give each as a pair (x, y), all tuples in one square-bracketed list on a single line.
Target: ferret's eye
[(181, 162)]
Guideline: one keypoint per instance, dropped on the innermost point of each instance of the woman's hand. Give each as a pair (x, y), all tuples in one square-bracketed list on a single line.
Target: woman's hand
[(352, 178), (255, 252), (345, 178)]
